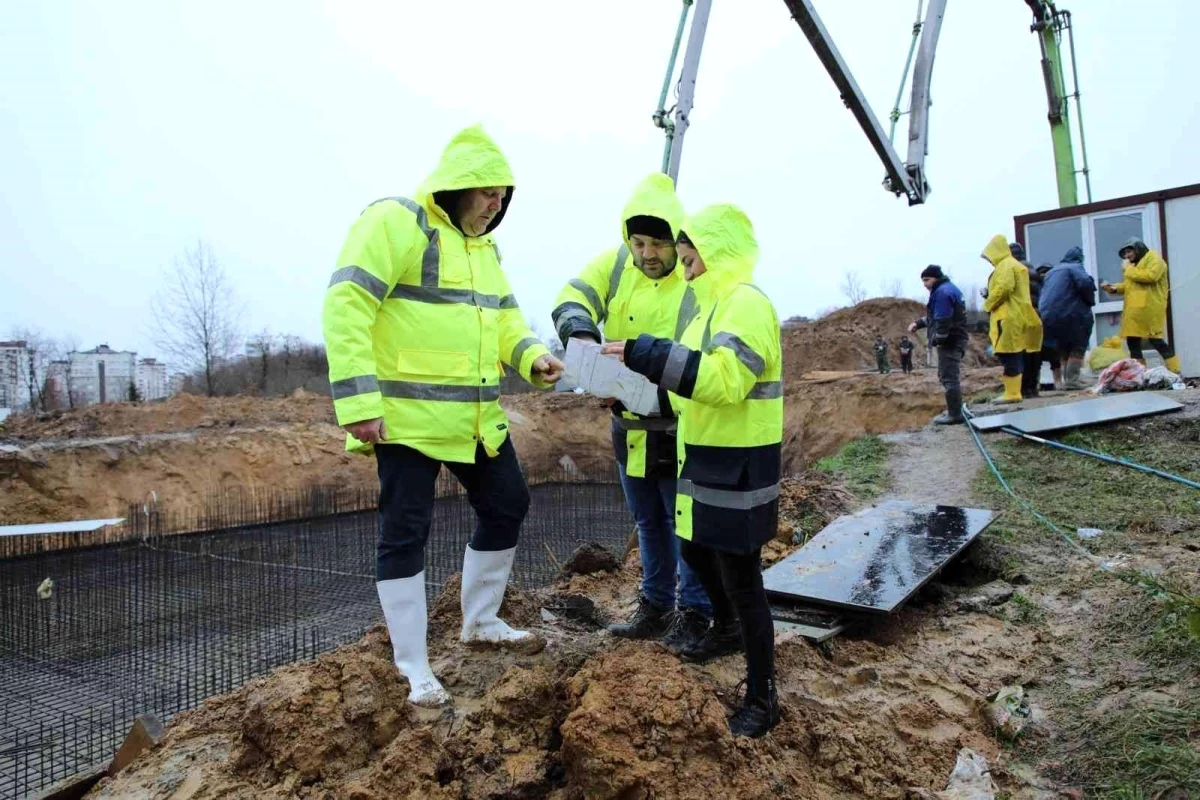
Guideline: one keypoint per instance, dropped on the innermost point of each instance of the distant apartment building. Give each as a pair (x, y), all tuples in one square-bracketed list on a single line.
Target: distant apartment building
[(152, 379), (101, 375), (14, 365)]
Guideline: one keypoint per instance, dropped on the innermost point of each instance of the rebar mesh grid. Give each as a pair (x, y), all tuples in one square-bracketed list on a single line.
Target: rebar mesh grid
[(160, 622)]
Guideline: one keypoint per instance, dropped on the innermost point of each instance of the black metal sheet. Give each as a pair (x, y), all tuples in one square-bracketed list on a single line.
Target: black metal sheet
[(1109, 408), (873, 561)]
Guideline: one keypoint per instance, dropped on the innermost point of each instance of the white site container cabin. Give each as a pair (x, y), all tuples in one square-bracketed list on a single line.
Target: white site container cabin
[(1167, 221)]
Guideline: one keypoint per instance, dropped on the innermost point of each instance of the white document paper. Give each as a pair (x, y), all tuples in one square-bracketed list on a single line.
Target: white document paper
[(605, 376)]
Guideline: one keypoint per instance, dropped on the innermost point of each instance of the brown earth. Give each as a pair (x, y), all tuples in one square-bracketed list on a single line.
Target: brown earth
[(94, 462), (844, 339), (593, 718)]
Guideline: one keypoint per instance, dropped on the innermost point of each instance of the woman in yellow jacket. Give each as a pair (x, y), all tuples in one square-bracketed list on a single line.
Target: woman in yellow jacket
[(724, 379), (1014, 326), (418, 321), (1144, 285)]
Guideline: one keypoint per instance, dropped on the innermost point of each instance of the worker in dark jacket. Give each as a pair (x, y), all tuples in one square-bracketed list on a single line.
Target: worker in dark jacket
[(906, 351), (946, 321), (1032, 376), (1068, 295), (881, 355)]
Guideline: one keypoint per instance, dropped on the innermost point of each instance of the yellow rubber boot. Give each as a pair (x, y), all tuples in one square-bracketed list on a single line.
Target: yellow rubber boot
[(1012, 391), (1173, 364)]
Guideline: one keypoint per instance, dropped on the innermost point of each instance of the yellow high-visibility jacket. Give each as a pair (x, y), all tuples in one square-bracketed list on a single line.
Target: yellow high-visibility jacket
[(418, 317), (1146, 290), (725, 379), (612, 291), (1033, 323), (1008, 303)]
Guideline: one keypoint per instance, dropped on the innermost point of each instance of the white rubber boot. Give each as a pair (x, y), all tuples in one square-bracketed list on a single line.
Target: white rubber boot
[(484, 578), (403, 601)]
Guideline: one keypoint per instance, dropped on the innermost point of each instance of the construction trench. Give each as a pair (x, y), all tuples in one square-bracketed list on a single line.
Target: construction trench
[(160, 622)]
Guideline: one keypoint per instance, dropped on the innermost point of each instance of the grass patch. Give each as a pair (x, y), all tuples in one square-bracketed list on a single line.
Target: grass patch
[(863, 466), (1140, 753), (1025, 610), (1079, 492)]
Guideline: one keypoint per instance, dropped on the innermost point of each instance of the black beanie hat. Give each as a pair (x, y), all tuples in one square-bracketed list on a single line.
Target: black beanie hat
[(653, 227), (932, 271)]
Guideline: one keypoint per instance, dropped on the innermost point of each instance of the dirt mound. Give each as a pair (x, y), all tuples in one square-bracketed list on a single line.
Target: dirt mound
[(589, 719), (184, 412), (843, 339), (643, 727)]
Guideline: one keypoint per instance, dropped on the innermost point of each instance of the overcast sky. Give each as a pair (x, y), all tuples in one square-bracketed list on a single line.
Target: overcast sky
[(130, 129)]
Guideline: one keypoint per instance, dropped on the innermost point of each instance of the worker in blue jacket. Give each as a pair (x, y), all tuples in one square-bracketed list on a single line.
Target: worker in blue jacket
[(946, 321), (1065, 306)]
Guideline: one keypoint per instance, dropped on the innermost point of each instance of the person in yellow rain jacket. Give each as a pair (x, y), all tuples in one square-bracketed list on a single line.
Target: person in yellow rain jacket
[(418, 321), (1145, 287), (724, 376), (631, 290), (1011, 315)]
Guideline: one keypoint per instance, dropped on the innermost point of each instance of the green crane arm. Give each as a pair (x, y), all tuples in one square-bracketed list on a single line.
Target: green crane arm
[(1048, 27)]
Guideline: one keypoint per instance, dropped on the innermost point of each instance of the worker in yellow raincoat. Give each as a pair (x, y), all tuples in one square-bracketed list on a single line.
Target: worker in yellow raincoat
[(1011, 315), (724, 377), (630, 290), (418, 321), (1145, 287)]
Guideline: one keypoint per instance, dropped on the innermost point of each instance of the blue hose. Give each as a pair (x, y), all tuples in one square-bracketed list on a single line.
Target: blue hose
[(1122, 462)]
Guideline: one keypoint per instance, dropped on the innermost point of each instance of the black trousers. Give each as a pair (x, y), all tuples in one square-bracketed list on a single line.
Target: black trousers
[(950, 358), (495, 488), (1013, 363), (734, 584), (906, 362), (1135, 347)]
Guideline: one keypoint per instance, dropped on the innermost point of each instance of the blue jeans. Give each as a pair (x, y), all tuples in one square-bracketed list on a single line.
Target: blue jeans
[(652, 501)]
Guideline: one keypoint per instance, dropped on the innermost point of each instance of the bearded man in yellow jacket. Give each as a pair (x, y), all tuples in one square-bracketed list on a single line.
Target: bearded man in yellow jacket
[(419, 320), (724, 376), (1145, 287), (631, 290)]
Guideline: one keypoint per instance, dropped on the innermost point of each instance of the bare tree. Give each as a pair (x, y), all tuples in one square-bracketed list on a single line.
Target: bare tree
[(196, 313), (891, 287), (853, 288), (262, 344), (40, 350)]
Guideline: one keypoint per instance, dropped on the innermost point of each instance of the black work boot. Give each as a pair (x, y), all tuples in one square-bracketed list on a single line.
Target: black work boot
[(647, 622), (757, 714), (953, 413), (687, 627), (721, 639)]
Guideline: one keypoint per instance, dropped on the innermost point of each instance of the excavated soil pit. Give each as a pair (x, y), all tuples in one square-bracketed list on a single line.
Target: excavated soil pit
[(590, 717)]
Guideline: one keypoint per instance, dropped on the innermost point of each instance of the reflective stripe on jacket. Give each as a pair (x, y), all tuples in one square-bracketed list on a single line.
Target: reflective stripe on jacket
[(418, 318)]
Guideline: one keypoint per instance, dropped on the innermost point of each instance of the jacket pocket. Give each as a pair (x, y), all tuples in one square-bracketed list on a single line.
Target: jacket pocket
[(703, 469), (434, 363)]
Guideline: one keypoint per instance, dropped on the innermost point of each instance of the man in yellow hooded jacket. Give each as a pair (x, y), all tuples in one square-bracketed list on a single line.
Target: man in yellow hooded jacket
[(631, 290), (418, 321), (725, 379), (1014, 326), (1145, 287)]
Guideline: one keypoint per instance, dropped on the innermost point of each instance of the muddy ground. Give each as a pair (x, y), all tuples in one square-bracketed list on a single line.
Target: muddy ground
[(876, 713)]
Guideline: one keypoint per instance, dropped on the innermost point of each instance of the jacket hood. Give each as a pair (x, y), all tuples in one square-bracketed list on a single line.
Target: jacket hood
[(724, 237), (1139, 248), (654, 197), (472, 160), (1073, 256), (997, 249)]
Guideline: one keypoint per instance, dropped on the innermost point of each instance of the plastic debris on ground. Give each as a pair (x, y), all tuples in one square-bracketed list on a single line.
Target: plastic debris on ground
[(970, 780), (1010, 712), (1162, 378), (1124, 375), (1130, 375), (1088, 533)]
